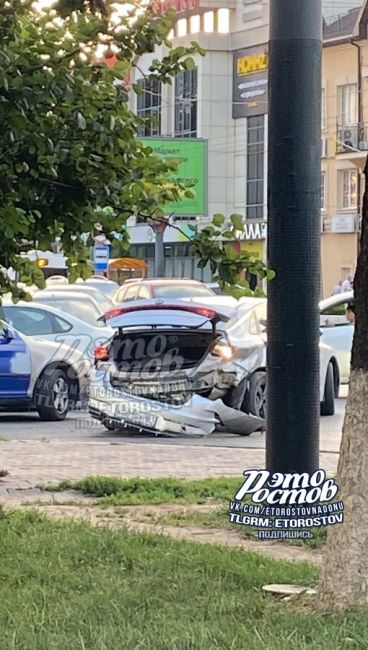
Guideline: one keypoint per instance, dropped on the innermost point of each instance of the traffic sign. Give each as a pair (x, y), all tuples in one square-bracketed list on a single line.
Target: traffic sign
[(101, 254)]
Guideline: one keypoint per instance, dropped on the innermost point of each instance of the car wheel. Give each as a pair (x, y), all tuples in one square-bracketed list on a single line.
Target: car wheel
[(255, 401), (52, 396), (328, 404)]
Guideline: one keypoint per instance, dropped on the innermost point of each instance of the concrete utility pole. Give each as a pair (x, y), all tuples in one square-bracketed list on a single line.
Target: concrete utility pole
[(294, 176), (159, 228)]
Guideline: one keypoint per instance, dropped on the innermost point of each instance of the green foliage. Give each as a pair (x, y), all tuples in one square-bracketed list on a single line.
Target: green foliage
[(212, 246), (68, 146), (160, 490)]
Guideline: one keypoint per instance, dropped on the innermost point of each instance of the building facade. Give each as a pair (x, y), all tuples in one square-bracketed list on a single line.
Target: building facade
[(223, 101)]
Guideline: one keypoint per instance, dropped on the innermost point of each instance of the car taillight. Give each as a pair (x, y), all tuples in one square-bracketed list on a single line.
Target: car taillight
[(223, 350), (101, 353), (206, 312)]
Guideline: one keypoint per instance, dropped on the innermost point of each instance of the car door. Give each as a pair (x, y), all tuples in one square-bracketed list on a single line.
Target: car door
[(338, 333), (15, 365)]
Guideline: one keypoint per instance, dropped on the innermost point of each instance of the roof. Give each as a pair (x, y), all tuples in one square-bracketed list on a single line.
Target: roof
[(351, 24), (168, 281), (127, 263)]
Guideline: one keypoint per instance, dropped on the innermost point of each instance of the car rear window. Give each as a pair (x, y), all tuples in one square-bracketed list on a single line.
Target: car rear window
[(83, 310), (181, 291)]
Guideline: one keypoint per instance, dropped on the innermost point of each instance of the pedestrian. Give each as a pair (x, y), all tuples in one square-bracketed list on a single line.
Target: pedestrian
[(337, 289), (346, 285), (350, 313)]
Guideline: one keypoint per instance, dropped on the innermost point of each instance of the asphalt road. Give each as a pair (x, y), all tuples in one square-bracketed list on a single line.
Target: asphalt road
[(79, 426)]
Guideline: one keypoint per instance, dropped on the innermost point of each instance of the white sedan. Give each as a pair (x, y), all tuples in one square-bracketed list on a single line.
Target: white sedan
[(337, 331), (45, 322), (248, 331)]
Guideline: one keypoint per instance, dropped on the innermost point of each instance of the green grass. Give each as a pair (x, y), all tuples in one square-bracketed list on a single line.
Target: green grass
[(65, 585), (139, 491), (219, 519), (117, 491)]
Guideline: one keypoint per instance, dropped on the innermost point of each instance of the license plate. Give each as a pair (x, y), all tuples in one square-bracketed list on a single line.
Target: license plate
[(157, 389), (142, 419)]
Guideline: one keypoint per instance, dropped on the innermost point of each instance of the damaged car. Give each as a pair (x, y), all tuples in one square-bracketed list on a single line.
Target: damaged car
[(186, 368), (167, 369)]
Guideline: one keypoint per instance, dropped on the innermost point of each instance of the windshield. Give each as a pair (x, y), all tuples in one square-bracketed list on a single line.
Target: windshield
[(181, 291), (84, 310)]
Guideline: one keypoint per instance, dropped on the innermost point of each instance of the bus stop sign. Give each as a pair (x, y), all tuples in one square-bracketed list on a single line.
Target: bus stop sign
[(101, 254)]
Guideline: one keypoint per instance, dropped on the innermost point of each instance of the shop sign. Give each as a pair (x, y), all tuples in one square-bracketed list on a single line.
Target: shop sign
[(343, 223), (191, 153), (250, 82), (253, 231)]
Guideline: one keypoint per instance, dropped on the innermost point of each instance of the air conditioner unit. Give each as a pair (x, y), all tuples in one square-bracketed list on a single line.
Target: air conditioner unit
[(363, 145), (323, 147)]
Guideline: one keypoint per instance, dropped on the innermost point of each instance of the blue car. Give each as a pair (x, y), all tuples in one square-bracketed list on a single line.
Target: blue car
[(42, 375)]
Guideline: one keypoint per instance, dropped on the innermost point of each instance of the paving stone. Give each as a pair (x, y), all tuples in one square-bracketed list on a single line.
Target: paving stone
[(33, 463)]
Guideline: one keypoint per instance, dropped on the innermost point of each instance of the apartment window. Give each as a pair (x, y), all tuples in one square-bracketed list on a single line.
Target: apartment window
[(182, 27), (186, 104), (347, 104), (209, 22), (348, 188), (149, 106), (195, 24), (323, 109), (323, 191), (223, 21), (255, 167)]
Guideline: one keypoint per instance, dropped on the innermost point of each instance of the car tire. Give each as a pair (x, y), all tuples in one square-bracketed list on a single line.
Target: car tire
[(255, 398), (52, 396), (328, 404)]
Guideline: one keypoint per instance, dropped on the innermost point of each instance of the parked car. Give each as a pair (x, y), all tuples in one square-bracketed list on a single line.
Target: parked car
[(105, 286), (46, 322), (163, 288), (78, 304), (337, 331), (42, 375), (99, 297), (189, 368), (247, 330)]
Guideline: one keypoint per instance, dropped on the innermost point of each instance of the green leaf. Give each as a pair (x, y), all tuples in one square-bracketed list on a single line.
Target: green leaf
[(271, 274), (218, 220), (189, 63), (237, 222), (228, 234)]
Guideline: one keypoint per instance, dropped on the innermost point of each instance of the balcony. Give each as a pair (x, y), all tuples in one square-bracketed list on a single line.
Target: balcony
[(352, 140)]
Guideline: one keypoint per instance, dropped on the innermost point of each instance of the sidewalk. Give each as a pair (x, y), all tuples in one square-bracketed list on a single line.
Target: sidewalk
[(33, 462)]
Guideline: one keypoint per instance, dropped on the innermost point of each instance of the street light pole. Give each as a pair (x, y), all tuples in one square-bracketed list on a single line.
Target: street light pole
[(294, 168), (159, 228)]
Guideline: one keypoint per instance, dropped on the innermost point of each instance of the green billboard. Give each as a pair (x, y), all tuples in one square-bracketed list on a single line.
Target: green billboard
[(192, 154)]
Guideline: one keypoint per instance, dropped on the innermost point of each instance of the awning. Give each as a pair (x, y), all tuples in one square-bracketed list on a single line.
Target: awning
[(127, 263)]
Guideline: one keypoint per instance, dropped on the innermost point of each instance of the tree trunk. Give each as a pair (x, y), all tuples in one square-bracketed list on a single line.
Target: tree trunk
[(344, 578)]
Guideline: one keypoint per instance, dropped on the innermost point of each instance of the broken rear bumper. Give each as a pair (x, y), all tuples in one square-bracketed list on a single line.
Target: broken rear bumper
[(198, 417)]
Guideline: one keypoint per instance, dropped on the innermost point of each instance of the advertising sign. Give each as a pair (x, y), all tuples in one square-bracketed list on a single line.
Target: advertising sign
[(250, 81), (192, 169)]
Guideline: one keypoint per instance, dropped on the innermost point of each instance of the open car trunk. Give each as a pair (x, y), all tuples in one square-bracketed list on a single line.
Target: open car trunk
[(157, 349)]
